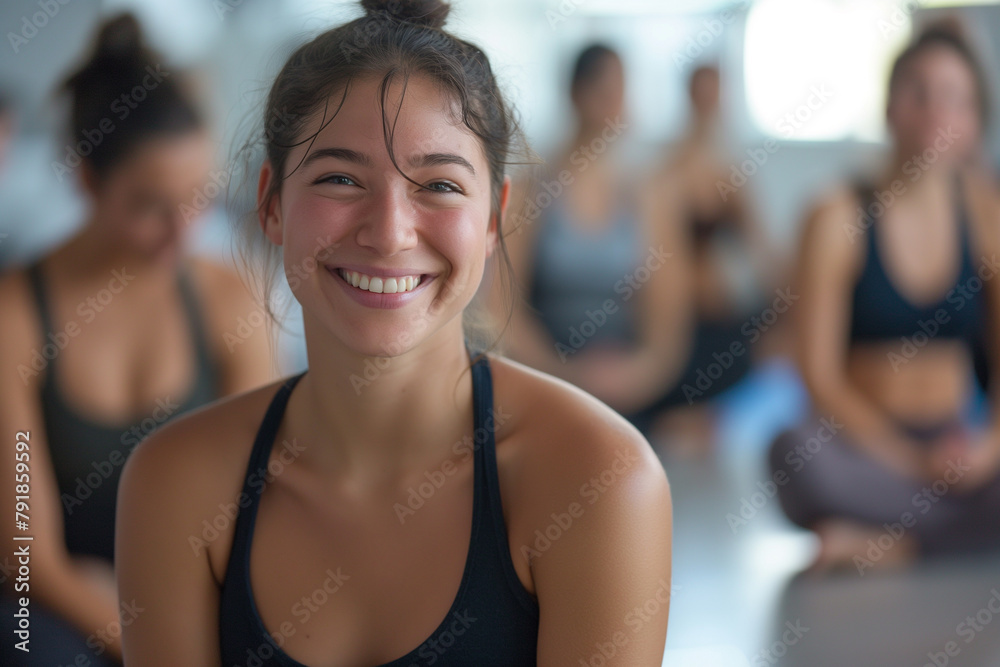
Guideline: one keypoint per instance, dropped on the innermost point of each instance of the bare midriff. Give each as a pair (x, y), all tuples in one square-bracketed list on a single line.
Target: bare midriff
[(911, 384)]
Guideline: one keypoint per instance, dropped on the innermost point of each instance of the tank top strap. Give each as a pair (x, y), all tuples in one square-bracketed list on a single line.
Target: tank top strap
[(196, 321), (491, 509), (865, 192), (962, 218), (482, 404), (259, 454), (37, 282)]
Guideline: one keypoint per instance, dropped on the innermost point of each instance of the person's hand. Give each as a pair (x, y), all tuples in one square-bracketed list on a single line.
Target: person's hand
[(946, 454), (966, 460)]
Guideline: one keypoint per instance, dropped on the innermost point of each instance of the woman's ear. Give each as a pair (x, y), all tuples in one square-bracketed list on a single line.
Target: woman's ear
[(269, 207), (496, 221)]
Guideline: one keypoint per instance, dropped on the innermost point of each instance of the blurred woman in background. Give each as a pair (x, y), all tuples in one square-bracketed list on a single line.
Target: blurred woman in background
[(600, 258), (730, 265), (896, 282), (110, 335)]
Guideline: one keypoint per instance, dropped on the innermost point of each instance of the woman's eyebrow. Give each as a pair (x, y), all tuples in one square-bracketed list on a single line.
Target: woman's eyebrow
[(434, 159), (340, 153), (427, 160)]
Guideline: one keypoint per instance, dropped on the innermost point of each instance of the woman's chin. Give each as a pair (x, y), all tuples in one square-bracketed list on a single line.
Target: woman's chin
[(381, 342)]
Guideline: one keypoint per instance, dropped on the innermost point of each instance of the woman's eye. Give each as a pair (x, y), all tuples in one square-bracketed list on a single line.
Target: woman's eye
[(337, 179), (449, 187)]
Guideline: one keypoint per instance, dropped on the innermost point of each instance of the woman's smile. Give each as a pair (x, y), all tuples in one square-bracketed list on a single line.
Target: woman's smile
[(381, 289)]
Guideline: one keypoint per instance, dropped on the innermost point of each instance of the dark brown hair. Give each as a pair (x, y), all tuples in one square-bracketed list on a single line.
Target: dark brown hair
[(588, 65), (395, 39), (119, 64), (949, 34)]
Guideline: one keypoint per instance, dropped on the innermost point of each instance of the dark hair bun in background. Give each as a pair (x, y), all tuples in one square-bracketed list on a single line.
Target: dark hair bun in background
[(430, 13), (120, 37)]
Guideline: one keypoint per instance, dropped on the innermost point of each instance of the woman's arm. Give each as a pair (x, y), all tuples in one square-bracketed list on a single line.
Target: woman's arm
[(828, 263), (81, 592), (984, 205), (604, 584), (162, 573)]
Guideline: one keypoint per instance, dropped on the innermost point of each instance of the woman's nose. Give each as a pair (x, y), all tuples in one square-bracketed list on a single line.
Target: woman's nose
[(388, 223)]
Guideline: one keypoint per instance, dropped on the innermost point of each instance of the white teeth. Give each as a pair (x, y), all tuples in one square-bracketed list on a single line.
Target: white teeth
[(380, 285)]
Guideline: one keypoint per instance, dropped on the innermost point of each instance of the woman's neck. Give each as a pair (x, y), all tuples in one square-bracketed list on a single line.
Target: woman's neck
[(908, 178), (703, 128), (92, 254), (594, 146), (379, 418)]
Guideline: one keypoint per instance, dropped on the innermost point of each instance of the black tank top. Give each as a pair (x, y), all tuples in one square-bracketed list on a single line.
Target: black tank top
[(88, 456), (493, 620)]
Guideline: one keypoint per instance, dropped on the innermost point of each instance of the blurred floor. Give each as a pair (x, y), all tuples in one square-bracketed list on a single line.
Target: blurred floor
[(739, 601)]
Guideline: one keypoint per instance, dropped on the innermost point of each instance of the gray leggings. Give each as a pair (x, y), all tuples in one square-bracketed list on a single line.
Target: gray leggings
[(821, 474)]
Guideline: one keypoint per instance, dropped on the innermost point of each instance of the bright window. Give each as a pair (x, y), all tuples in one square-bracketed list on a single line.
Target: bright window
[(816, 70)]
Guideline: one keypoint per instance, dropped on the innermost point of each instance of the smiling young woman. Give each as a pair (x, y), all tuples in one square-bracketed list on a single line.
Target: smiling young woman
[(454, 508)]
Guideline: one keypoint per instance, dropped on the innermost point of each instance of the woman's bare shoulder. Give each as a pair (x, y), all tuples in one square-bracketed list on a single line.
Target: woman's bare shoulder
[(555, 435), (566, 459), (181, 479), (201, 453)]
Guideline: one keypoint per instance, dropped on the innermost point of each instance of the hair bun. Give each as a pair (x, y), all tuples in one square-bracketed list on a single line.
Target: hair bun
[(430, 13), (120, 37), (118, 50)]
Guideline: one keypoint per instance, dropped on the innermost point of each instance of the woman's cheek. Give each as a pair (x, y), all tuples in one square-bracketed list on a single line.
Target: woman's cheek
[(460, 237), (310, 218), (449, 231)]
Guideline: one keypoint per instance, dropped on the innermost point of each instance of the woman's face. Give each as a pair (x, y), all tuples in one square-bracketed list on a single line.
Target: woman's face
[(705, 92), (346, 209), (934, 104), (602, 97), (146, 203)]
